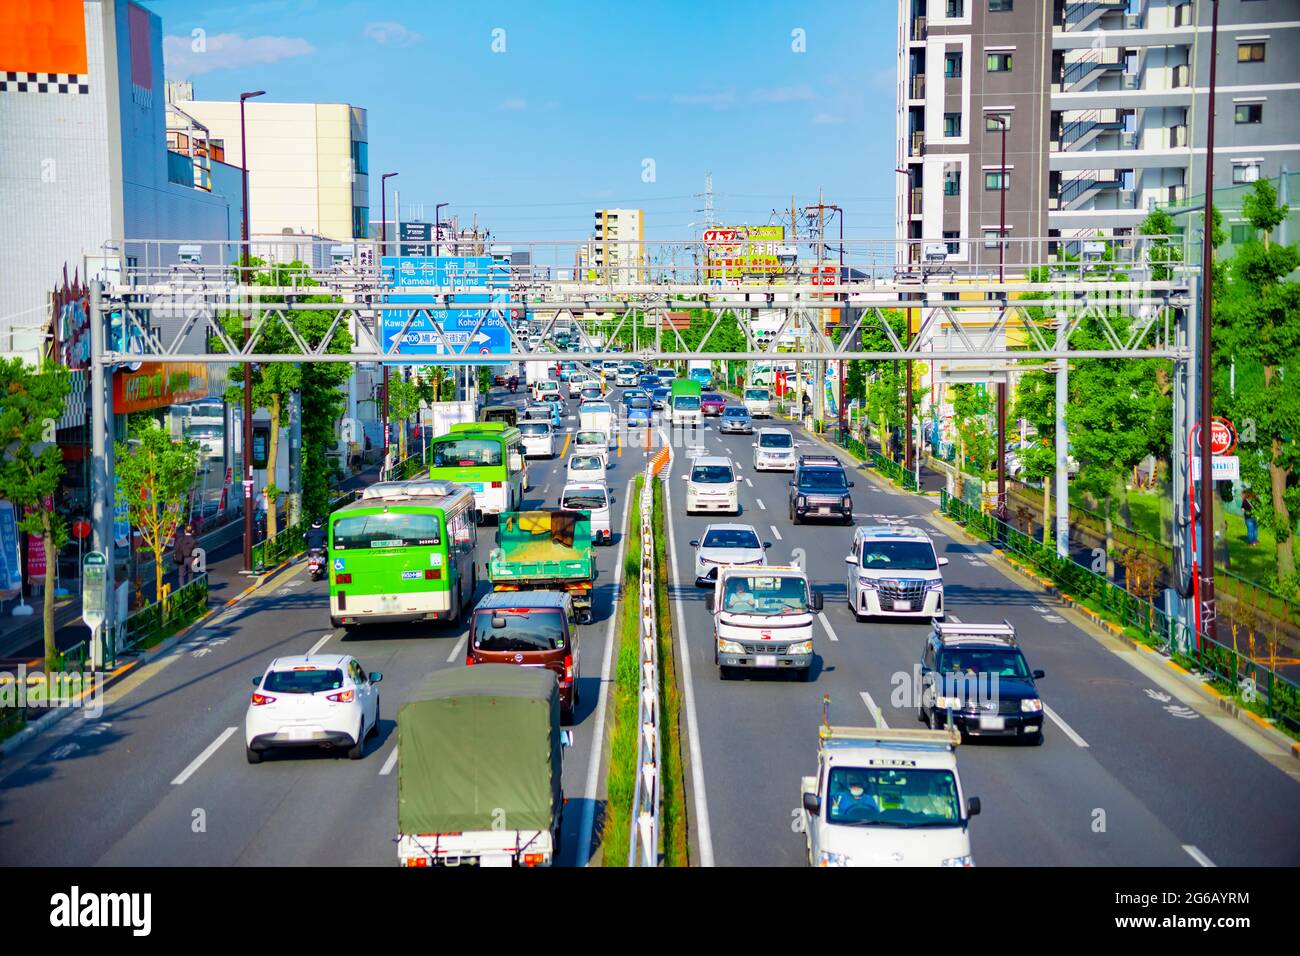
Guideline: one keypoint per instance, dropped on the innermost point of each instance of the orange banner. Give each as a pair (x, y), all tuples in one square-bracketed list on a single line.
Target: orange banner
[(157, 384), (44, 36)]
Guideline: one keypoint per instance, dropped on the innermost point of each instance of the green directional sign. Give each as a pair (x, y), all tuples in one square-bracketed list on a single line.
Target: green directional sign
[(94, 588)]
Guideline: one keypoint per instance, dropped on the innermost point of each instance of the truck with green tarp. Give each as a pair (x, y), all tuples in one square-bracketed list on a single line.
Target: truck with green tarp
[(685, 404), (545, 550), (479, 765)]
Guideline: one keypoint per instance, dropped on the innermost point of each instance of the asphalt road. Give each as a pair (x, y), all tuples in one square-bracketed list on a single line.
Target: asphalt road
[(1128, 775), (159, 779)]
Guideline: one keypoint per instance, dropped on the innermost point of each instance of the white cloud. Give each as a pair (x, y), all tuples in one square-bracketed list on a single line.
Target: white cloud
[(513, 103), (386, 32), (227, 51), (785, 94), (824, 119), (717, 101)]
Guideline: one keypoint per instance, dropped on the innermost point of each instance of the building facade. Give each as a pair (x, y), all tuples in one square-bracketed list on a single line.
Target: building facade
[(616, 251)]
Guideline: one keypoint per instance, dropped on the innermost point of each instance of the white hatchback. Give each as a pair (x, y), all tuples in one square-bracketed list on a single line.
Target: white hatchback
[(773, 450), (711, 485), (312, 701), (726, 545)]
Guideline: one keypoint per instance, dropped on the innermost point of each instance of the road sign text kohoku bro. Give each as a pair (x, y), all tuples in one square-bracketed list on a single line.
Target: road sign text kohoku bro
[(469, 279)]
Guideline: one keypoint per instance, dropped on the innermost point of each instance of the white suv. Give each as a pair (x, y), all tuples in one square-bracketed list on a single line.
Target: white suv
[(712, 485), (894, 572), (321, 701), (773, 450)]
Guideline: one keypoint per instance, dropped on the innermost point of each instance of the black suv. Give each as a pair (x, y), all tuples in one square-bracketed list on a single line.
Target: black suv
[(976, 675), (820, 489)]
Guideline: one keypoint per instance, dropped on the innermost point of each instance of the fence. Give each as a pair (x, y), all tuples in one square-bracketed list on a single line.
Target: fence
[(1278, 697), (289, 542), (146, 626), (643, 849), (893, 471)]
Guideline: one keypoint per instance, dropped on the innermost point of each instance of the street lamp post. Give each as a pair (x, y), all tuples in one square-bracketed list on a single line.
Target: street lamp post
[(383, 245), (248, 368), (1002, 382), (907, 402)]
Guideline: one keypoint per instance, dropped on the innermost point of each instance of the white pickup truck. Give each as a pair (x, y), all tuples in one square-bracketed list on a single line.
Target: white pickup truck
[(886, 797), (763, 618)]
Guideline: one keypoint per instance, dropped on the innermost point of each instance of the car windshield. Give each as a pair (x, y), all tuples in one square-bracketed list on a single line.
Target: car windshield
[(639, 402), (757, 394), (687, 402), (538, 411), (309, 680), (823, 479), (734, 411), (730, 538), (212, 430), (524, 629), (1004, 662), (387, 529), (775, 440), (587, 500), (712, 474), (711, 397), (892, 797), (595, 408), (534, 428), (898, 556), (591, 438), (466, 453), (768, 594), (586, 463)]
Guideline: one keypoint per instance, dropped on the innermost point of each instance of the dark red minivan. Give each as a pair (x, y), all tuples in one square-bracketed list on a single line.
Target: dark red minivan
[(529, 629)]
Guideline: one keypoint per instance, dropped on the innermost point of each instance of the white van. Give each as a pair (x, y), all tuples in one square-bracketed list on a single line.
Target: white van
[(592, 442), (758, 401), (547, 388), (586, 468), (538, 439), (711, 485), (586, 496), (893, 571)]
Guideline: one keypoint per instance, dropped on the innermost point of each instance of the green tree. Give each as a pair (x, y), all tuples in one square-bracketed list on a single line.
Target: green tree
[(31, 465), (971, 408), (1036, 403), (155, 474), (404, 399)]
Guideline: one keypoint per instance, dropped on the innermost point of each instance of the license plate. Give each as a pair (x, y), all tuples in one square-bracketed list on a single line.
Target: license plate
[(300, 733), (902, 605), (823, 510), (765, 660), (993, 723)]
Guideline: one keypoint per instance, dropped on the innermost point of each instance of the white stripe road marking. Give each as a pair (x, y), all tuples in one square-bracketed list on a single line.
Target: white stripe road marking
[(954, 619), (597, 745), (1069, 731), (776, 534), (876, 713), (1197, 855), (830, 632), (748, 482), (319, 644), (197, 762), (761, 506), (387, 768), (456, 651)]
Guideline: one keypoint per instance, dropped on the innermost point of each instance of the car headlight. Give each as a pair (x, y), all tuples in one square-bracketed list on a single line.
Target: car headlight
[(802, 648), (847, 502), (826, 858), (946, 703), (729, 647), (802, 502), (935, 585), (1031, 705), (868, 583), (967, 860)]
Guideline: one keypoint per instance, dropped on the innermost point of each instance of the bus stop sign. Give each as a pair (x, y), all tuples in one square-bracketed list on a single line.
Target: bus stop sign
[(94, 589)]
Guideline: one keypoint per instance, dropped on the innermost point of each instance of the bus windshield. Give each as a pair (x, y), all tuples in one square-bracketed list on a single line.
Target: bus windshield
[(390, 529), (466, 453)]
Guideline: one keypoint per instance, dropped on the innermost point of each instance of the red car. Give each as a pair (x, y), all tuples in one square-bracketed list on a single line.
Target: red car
[(498, 379), (711, 403)]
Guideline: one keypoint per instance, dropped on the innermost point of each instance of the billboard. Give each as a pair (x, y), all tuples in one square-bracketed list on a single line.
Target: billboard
[(416, 238), (740, 252), (155, 384), (469, 279)]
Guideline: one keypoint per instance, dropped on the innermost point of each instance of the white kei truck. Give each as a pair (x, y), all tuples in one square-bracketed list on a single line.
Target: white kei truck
[(763, 619)]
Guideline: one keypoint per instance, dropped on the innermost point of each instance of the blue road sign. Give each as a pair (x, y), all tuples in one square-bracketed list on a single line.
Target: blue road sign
[(469, 279)]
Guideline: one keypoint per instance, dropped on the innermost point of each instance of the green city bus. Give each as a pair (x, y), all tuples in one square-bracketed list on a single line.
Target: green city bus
[(403, 552), (485, 457)]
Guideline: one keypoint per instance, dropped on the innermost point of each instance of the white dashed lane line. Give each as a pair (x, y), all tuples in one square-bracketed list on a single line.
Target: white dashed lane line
[(830, 632), (1197, 855), (876, 713), (761, 506), (1065, 728), (456, 651), (319, 644), (387, 768), (776, 534), (198, 761)]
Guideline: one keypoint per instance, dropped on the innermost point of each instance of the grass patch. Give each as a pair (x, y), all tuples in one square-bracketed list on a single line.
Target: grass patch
[(11, 721), (672, 786), (621, 783)]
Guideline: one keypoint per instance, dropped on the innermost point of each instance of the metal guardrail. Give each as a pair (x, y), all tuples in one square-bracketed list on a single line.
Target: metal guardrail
[(643, 849), (1257, 682)]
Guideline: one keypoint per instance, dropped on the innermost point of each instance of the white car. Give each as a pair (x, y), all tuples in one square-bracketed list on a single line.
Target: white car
[(711, 486), (727, 544), (774, 450), (592, 442), (894, 572), (758, 401), (586, 496), (547, 388), (625, 376), (312, 701), (538, 439), (588, 467)]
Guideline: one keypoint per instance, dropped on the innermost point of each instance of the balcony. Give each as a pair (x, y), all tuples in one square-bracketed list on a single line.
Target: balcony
[(917, 143), (918, 29), (916, 202), (918, 87)]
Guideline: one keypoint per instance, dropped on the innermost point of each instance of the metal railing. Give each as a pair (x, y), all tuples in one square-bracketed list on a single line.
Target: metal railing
[(894, 471), (643, 849), (1258, 684), (160, 619), (289, 542)]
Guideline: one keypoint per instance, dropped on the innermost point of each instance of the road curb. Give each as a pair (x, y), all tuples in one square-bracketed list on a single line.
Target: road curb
[(1190, 681)]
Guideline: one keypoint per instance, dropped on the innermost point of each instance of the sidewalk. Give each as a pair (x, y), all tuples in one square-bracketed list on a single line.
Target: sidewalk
[(22, 638)]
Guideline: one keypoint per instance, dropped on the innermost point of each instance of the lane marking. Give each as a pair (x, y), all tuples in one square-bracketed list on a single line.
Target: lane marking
[(606, 667), (761, 506), (1197, 855), (319, 644), (775, 533), (830, 631), (876, 713), (456, 651), (748, 482), (954, 618), (198, 761), (387, 768), (703, 829), (567, 438), (1065, 728)]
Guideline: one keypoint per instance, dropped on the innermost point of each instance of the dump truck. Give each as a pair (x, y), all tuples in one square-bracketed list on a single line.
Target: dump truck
[(479, 768), (547, 550)]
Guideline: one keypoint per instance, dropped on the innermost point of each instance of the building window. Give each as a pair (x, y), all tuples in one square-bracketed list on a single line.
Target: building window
[(1250, 52), (952, 182), (360, 158), (999, 62), (360, 222), (1250, 113), (1245, 172), (955, 9), (951, 124), (952, 65), (1241, 232), (996, 180), (991, 238), (951, 238), (993, 122), (999, 6)]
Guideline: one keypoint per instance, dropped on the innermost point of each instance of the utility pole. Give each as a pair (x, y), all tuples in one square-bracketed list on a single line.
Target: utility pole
[(247, 458), (1002, 382)]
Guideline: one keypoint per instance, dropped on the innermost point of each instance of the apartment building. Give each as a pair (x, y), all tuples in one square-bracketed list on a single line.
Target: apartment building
[(616, 252), (1107, 102)]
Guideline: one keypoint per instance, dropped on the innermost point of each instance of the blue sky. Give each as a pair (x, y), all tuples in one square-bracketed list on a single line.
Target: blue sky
[(562, 121)]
